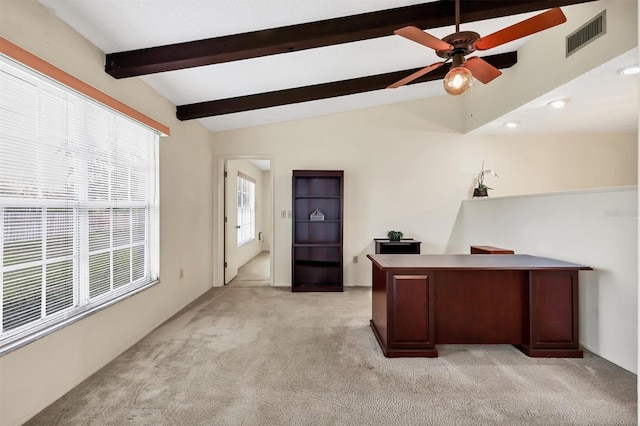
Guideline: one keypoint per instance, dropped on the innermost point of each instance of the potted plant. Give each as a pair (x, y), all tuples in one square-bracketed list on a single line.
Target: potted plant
[(394, 235), (481, 190)]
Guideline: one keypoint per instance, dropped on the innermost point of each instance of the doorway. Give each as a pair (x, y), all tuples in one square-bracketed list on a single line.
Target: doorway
[(246, 222)]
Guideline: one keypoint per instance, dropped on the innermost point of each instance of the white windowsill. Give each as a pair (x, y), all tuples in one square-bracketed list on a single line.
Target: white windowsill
[(13, 345), (247, 242)]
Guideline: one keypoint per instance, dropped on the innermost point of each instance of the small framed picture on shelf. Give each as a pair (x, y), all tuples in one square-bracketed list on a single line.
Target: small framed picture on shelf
[(316, 215)]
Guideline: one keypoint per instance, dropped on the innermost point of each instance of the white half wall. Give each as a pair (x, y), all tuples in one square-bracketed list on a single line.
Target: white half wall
[(597, 228)]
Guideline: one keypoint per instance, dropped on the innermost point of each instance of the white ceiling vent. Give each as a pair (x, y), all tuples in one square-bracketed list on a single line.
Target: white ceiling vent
[(587, 33)]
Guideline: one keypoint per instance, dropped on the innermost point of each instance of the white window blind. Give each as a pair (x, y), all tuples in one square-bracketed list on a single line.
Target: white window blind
[(246, 219), (78, 203)]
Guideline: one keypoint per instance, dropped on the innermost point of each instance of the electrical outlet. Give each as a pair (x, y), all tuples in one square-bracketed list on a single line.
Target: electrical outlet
[(283, 214), (355, 259), (181, 273)]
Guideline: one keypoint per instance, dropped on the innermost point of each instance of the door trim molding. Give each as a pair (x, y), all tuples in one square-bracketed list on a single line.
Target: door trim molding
[(218, 217)]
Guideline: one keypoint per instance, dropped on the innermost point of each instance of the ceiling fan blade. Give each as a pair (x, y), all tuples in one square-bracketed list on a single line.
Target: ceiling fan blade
[(537, 23), (425, 39), (482, 70), (415, 75)]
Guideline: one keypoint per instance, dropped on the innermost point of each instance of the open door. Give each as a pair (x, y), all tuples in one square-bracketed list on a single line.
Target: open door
[(248, 221), (230, 225)]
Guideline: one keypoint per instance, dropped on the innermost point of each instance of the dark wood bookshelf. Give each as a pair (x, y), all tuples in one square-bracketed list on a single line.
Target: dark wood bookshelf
[(316, 252)]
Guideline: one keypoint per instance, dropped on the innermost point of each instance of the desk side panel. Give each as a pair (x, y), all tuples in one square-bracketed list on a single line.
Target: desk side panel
[(379, 303), (554, 309), (411, 324)]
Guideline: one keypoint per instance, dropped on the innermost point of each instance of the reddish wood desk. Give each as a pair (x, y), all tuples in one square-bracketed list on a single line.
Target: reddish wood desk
[(530, 302), (489, 250)]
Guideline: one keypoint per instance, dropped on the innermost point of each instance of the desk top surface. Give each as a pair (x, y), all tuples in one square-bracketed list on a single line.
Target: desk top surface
[(471, 262)]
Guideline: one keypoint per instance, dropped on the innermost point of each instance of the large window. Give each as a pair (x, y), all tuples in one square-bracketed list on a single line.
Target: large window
[(246, 209), (78, 204)]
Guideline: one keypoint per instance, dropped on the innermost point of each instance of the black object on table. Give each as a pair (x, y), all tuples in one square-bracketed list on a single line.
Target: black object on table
[(404, 246)]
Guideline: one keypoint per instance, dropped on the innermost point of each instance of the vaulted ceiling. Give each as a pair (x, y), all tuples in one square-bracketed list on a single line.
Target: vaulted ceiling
[(239, 64)]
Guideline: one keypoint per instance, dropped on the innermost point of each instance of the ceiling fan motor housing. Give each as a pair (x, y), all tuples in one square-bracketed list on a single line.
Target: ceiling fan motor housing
[(463, 42)]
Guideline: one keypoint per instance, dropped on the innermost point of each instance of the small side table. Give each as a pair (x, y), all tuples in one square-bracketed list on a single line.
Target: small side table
[(404, 246)]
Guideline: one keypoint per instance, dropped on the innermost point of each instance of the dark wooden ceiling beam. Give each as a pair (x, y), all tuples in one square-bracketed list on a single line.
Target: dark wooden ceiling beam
[(313, 34), (321, 91)]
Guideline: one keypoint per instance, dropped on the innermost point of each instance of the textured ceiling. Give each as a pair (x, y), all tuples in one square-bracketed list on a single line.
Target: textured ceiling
[(120, 25)]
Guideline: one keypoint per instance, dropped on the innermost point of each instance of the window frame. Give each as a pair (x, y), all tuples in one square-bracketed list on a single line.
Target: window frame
[(245, 214), (83, 304)]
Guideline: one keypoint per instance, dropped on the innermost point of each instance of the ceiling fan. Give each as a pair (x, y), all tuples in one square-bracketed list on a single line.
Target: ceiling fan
[(458, 45)]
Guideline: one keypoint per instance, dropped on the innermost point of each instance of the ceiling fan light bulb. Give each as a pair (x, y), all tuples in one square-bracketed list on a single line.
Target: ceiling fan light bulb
[(457, 81)]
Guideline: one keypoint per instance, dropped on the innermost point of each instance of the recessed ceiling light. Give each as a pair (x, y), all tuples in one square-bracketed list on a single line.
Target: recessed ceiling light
[(630, 70), (558, 103), (511, 124)]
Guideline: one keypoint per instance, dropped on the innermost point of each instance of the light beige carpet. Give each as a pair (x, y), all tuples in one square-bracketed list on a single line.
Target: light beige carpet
[(266, 356), (255, 273)]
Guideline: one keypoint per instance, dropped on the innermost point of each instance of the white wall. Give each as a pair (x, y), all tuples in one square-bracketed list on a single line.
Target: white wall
[(35, 375), (597, 228), (406, 172)]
